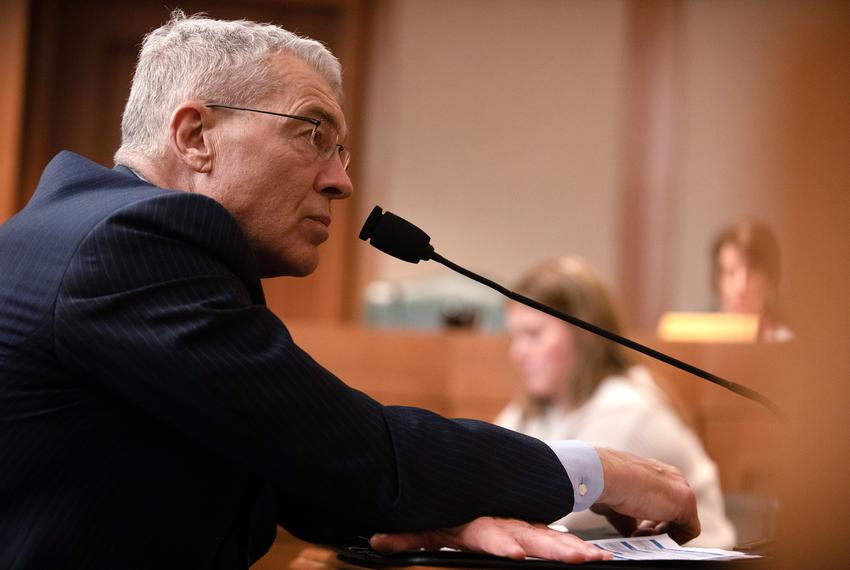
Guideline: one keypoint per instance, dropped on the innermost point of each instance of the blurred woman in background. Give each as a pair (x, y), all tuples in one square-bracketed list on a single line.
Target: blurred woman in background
[(745, 276), (577, 385)]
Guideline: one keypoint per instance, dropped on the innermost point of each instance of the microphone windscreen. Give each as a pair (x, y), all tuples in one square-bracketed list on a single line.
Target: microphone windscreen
[(396, 236)]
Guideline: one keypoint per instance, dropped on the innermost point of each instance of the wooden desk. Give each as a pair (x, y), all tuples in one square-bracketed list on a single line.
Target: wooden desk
[(316, 558)]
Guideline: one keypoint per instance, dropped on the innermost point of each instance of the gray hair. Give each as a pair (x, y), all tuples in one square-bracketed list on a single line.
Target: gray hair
[(213, 60)]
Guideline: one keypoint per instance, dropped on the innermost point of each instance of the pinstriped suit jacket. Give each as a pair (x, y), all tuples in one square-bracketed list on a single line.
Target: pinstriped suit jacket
[(155, 414)]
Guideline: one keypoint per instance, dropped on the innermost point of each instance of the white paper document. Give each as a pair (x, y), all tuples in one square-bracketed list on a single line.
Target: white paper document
[(662, 547)]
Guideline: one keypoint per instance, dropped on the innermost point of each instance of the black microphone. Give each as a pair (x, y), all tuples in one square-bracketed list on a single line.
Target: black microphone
[(401, 239), (396, 236)]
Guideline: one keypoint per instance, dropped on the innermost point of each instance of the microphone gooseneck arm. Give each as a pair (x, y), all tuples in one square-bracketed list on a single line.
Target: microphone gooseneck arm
[(403, 240), (728, 384)]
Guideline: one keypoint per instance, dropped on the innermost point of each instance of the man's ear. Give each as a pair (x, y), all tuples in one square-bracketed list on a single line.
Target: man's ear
[(189, 136)]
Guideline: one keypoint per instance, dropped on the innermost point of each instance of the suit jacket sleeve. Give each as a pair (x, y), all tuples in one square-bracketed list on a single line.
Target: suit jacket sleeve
[(161, 309)]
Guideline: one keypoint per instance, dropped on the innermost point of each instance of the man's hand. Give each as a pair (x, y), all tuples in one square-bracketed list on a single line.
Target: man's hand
[(644, 496), (503, 537)]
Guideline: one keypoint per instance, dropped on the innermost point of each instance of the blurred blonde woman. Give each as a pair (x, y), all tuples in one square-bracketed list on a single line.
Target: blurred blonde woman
[(580, 386)]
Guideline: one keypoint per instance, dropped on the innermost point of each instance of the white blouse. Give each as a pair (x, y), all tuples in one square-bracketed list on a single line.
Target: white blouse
[(630, 413)]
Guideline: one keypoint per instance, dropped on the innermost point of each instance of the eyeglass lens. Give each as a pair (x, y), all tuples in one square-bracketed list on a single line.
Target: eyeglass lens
[(326, 139)]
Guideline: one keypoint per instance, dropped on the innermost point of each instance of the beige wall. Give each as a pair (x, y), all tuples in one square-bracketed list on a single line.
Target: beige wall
[(495, 126), (742, 87)]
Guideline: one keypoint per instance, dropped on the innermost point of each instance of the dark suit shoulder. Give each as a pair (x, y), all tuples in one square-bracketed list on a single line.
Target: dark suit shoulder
[(188, 227), (104, 228), (80, 201)]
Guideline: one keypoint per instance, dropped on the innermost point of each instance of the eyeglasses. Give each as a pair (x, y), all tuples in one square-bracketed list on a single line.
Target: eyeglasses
[(324, 137)]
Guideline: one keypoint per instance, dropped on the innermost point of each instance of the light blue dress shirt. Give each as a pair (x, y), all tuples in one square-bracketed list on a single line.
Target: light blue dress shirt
[(584, 468)]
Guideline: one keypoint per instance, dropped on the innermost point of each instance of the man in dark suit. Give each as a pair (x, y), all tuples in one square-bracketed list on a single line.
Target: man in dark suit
[(155, 414)]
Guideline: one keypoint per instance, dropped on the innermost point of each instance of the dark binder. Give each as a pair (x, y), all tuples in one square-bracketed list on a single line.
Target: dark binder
[(364, 556)]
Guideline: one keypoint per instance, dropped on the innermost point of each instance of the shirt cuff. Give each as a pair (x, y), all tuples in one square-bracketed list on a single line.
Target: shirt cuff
[(584, 469)]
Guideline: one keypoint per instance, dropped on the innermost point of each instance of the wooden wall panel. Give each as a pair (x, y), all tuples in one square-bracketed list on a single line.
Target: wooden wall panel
[(740, 435), (653, 134), (13, 42), (814, 377)]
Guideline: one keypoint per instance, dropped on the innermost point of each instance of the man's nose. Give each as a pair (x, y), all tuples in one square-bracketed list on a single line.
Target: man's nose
[(334, 181)]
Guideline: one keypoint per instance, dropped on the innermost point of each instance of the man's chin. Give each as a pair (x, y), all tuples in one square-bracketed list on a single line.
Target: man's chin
[(301, 266)]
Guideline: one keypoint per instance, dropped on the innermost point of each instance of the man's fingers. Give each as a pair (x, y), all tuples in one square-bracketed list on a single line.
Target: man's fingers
[(542, 542), (510, 538), (647, 489), (517, 539), (648, 528), (625, 525), (498, 541), (683, 534)]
